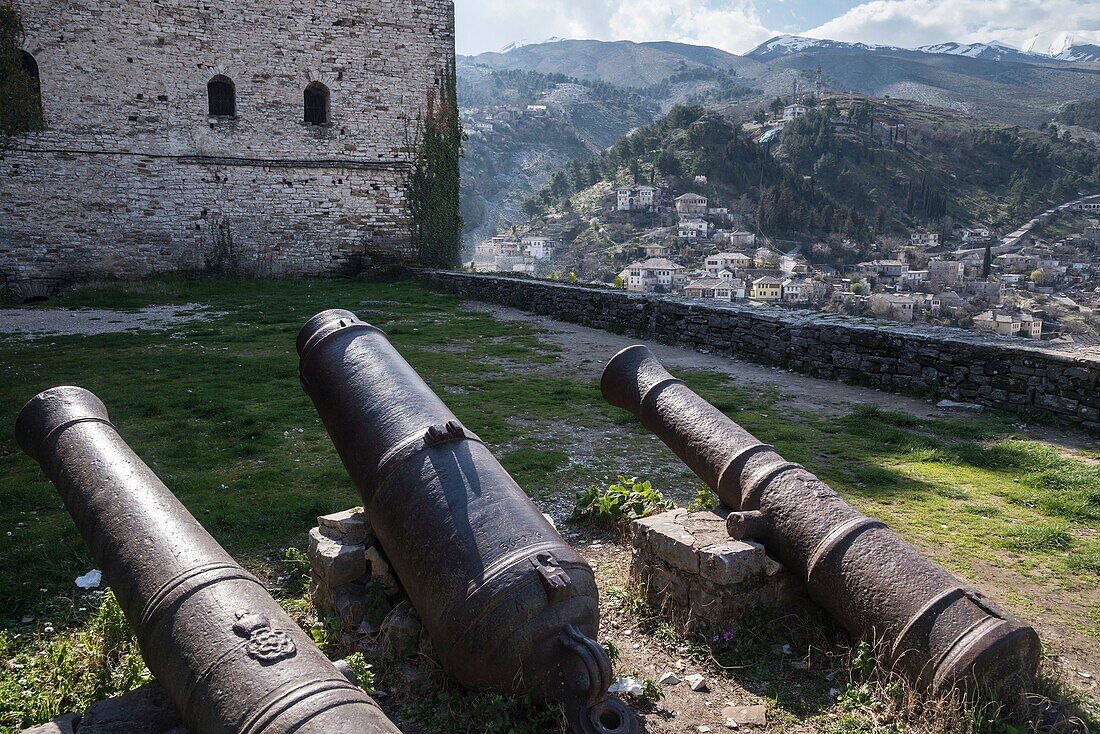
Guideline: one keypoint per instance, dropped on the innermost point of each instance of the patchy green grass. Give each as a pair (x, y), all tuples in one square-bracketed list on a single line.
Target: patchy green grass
[(216, 409)]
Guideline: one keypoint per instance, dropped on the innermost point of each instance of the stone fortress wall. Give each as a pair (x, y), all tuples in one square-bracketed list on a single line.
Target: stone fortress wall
[(131, 176), (1053, 382)]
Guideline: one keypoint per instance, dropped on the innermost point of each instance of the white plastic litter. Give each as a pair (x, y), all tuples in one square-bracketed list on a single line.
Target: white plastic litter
[(626, 684), (90, 580)]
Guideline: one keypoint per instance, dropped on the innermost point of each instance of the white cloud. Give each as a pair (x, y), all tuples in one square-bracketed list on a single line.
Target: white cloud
[(736, 25), (733, 25), (911, 23)]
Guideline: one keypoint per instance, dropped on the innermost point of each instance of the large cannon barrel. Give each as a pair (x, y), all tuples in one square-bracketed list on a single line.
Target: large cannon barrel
[(930, 626), (224, 651), (508, 604)]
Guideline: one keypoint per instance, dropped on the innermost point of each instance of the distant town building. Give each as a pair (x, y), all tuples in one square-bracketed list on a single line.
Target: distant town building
[(691, 205), (946, 272), (991, 291), (1010, 324), (740, 238), (767, 288), (733, 261), (655, 272), (975, 235), (794, 112), (927, 303), (927, 239), (537, 110), (797, 291), (892, 306), (638, 198), (540, 246), (693, 228), (716, 288)]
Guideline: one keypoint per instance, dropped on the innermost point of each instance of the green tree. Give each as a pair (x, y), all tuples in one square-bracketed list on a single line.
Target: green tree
[(433, 188), (20, 102)]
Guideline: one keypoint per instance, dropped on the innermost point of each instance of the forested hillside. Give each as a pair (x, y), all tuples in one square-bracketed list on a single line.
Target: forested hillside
[(851, 171)]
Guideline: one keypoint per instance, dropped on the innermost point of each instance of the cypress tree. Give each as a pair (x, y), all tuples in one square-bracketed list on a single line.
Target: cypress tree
[(433, 186)]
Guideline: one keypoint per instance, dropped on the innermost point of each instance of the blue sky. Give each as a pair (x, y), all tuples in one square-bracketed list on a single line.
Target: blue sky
[(739, 25)]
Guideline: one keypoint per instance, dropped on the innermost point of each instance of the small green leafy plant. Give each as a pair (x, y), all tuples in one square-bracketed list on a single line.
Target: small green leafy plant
[(705, 499), (626, 501), (364, 671)]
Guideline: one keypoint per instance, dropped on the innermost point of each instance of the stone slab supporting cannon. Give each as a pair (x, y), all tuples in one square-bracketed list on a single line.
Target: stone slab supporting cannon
[(509, 606), (226, 654), (930, 626)]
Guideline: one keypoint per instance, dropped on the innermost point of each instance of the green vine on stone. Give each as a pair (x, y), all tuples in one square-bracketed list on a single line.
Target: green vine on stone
[(433, 185), (20, 105)]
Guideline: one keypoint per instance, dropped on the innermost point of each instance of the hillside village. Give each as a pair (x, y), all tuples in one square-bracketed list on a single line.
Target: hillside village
[(1039, 281)]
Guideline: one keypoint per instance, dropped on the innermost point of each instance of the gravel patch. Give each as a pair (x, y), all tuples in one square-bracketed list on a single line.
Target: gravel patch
[(18, 323)]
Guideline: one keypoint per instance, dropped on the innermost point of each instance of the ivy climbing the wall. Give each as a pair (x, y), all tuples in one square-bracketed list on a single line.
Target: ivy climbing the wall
[(20, 107), (433, 185)]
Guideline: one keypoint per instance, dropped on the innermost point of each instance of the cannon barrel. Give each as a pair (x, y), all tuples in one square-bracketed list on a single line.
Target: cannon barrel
[(509, 605), (224, 651), (930, 626)]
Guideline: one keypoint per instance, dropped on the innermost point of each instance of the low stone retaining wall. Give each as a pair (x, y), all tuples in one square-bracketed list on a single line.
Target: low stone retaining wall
[(1033, 379), (688, 564)]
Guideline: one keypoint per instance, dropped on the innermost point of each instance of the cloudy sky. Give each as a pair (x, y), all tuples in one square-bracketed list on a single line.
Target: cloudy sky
[(739, 25)]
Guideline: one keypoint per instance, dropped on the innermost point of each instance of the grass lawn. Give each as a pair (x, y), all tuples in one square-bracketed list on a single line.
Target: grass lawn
[(215, 408)]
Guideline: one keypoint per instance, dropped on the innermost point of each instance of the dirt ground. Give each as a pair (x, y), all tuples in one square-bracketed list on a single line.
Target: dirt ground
[(31, 323)]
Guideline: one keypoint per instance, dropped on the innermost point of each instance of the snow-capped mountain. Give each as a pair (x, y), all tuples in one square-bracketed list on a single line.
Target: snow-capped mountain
[(786, 45), (1065, 45), (530, 42), (994, 51), (1057, 45)]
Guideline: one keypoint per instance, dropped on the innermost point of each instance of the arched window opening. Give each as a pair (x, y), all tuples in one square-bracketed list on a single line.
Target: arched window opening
[(316, 104), (30, 68), (222, 96)]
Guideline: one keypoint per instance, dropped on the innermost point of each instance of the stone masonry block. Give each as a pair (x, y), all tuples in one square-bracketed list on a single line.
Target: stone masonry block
[(349, 526), (731, 562), (335, 564), (688, 561)]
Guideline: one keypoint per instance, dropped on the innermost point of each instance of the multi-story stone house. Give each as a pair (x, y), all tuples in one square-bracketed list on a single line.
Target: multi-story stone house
[(767, 288), (732, 261), (654, 273), (946, 272), (925, 239), (691, 205), (892, 306), (638, 198), (1005, 323), (173, 131), (693, 229)]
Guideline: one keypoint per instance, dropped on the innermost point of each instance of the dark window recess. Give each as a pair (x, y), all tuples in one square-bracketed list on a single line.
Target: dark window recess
[(316, 104), (30, 68), (222, 96)]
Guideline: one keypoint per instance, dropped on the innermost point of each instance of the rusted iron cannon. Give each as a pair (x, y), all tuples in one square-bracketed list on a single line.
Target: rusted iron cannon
[(509, 606), (930, 626), (224, 651)]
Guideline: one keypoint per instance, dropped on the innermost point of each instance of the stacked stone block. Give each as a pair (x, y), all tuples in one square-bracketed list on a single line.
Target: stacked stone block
[(351, 578), (1034, 379), (688, 564)]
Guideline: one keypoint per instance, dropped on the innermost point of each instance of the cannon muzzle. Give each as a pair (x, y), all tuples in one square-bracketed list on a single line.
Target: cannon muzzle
[(223, 650), (933, 628), (508, 604)]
